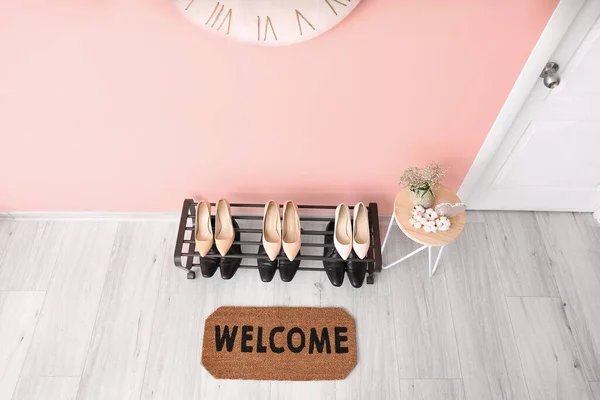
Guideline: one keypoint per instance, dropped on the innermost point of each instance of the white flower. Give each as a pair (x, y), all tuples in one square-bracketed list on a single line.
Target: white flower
[(429, 220)]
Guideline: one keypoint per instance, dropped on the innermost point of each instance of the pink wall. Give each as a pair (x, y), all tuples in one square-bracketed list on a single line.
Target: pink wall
[(123, 105)]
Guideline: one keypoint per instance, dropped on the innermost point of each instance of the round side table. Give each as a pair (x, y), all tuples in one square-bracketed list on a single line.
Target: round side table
[(403, 206)]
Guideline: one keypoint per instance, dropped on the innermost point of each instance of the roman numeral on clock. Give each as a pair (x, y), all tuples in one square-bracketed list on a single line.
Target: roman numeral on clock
[(337, 1), (219, 17), (298, 16), (268, 24)]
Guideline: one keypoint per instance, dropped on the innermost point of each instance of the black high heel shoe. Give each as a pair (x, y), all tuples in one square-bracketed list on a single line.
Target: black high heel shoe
[(357, 270), (209, 265), (335, 267), (266, 267), (229, 266), (287, 268)]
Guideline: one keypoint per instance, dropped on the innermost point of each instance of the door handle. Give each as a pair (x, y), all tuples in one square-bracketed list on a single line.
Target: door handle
[(550, 75)]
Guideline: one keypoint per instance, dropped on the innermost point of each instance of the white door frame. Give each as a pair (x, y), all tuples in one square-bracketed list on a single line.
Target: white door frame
[(557, 26)]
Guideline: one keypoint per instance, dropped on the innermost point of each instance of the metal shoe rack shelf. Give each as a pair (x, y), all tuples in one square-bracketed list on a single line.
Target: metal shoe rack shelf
[(187, 258)]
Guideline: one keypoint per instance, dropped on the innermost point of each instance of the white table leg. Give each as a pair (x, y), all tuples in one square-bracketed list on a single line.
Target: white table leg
[(388, 233), (437, 260), (429, 260), (405, 257), (432, 266)]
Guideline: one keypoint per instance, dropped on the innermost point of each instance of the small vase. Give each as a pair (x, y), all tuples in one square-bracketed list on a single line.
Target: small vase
[(422, 198)]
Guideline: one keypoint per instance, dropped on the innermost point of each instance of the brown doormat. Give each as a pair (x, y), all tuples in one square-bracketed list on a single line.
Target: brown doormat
[(279, 343)]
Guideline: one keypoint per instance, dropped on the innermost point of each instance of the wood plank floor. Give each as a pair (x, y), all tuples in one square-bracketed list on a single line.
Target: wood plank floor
[(96, 310)]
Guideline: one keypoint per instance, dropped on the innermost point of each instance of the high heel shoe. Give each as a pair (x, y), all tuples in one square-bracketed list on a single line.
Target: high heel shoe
[(224, 232), (203, 232), (229, 266), (266, 267), (288, 268), (342, 233), (272, 230), (360, 231), (357, 270), (334, 266), (209, 265), (291, 230)]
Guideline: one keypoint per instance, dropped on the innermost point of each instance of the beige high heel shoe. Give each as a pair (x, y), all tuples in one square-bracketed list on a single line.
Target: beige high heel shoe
[(342, 233), (203, 230), (272, 230), (291, 230), (361, 238), (224, 232)]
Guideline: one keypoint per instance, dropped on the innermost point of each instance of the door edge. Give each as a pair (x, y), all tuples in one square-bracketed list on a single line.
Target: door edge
[(565, 13)]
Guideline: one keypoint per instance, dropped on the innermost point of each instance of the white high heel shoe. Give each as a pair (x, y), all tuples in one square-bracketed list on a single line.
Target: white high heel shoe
[(342, 234), (203, 230), (271, 230), (291, 230), (361, 238), (224, 232)]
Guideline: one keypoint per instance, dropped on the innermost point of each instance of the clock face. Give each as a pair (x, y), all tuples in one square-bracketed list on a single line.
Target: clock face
[(267, 22)]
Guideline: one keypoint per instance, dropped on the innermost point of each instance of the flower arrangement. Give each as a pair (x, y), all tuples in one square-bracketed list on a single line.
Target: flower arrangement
[(421, 182), (429, 220), (422, 179)]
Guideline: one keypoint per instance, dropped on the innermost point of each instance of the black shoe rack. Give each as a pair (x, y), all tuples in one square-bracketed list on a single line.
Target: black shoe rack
[(187, 258)]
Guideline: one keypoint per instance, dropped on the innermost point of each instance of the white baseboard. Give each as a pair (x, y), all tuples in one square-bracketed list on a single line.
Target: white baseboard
[(597, 216), (89, 216)]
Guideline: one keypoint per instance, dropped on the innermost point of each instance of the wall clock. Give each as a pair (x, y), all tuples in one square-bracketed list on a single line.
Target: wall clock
[(267, 22)]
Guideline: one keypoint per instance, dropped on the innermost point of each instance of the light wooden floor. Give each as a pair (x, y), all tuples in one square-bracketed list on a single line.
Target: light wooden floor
[(96, 310)]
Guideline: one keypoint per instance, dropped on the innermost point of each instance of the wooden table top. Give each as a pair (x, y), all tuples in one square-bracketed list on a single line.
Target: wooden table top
[(403, 206)]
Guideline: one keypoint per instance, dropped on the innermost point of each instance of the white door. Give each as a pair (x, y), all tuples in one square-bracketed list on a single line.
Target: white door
[(550, 157)]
